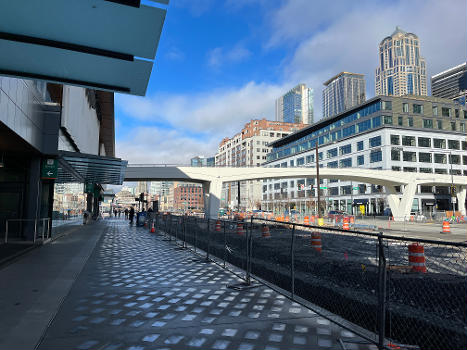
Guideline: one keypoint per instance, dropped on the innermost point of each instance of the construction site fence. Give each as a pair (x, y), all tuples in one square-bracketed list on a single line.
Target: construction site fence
[(399, 292)]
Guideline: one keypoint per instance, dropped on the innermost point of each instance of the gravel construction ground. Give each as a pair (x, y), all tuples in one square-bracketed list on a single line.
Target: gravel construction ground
[(428, 310)]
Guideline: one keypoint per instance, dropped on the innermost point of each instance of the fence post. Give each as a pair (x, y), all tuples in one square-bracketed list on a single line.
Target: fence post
[(292, 260), (208, 241), (381, 292), (184, 231), (225, 242), (195, 232), (6, 232), (248, 251)]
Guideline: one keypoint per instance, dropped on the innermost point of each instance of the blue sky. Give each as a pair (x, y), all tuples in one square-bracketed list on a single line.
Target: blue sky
[(222, 63)]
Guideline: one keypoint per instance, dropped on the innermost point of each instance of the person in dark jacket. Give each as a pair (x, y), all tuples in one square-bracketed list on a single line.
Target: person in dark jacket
[(131, 215)]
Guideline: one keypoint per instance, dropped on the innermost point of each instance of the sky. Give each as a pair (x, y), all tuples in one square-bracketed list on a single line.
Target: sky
[(220, 64)]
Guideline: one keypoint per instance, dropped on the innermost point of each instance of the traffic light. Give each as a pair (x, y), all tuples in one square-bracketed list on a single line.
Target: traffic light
[(453, 191)]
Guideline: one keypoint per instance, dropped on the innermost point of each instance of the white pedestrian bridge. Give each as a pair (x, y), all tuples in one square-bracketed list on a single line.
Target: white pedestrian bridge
[(212, 178)]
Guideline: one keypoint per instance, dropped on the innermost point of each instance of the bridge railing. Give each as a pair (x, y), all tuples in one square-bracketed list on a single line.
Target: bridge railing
[(398, 290)]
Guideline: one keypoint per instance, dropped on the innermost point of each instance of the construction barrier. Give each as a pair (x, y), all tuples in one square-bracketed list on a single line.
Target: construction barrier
[(417, 257), (240, 229), (218, 226), (306, 220), (345, 223), (446, 227), (316, 241), (265, 232)]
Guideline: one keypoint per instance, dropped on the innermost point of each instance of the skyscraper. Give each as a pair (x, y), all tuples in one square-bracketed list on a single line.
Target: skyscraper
[(401, 69), (296, 106), (452, 83), (343, 91)]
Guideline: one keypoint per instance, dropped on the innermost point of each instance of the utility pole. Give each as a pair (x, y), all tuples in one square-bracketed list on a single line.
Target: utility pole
[(317, 180)]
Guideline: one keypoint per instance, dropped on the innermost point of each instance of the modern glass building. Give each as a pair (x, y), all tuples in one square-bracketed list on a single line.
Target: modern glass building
[(452, 83), (401, 70), (408, 133), (343, 91), (296, 106)]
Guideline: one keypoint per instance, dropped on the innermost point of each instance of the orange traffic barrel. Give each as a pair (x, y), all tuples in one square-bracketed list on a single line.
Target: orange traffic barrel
[(316, 241), (352, 219), (446, 227), (312, 219), (306, 220), (240, 229), (218, 226), (417, 257), (345, 223), (265, 232), (287, 219)]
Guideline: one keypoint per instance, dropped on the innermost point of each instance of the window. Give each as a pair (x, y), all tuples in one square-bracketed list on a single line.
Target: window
[(291, 162), (426, 170), (446, 112), (439, 143), (284, 165), (310, 158), (464, 145), (332, 153), (464, 160), (376, 156), (405, 107), (410, 121), (332, 164), (456, 113), (396, 168), (440, 158), (375, 141), (417, 108), (345, 163), (284, 184), (277, 186), (454, 159), (395, 140), (462, 127), (441, 171), (345, 149), (428, 123), (395, 154), (410, 170), (424, 142), (387, 119), (439, 124), (453, 144), (426, 189), (453, 126), (320, 156), (408, 141), (400, 121), (424, 157), (435, 110), (455, 172), (360, 146), (386, 105), (360, 160), (409, 156), (300, 161)]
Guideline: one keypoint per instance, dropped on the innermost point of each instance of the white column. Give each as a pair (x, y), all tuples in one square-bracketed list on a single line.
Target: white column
[(405, 205), (461, 199), (212, 198)]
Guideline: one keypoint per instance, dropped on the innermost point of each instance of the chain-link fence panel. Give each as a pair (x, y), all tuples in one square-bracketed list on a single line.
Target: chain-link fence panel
[(427, 293)]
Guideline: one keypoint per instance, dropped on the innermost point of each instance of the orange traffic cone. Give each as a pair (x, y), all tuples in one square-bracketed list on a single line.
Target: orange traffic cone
[(265, 232), (153, 229)]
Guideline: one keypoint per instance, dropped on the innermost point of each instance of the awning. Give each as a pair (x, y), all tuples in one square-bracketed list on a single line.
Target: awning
[(89, 168), (106, 45)]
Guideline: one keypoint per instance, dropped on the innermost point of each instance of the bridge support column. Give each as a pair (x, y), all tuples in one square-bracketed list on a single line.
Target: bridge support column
[(400, 208), (212, 198), (461, 199)]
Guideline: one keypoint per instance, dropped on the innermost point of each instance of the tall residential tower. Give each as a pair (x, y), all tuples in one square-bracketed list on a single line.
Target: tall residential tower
[(343, 91), (401, 69), (296, 106), (452, 83)]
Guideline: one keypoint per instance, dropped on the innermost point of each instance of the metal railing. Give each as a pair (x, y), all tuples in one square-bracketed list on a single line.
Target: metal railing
[(44, 223), (363, 277)]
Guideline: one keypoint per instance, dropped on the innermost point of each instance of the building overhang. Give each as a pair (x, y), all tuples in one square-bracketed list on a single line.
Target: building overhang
[(89, 168), (99, 44)]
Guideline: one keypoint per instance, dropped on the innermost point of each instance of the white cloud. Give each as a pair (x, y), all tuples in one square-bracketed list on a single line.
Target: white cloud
[(218, 56), (152, 145), (175, 54)]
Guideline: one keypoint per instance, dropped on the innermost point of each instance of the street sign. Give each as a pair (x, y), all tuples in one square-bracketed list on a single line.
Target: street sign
[(355, 188), (49, 169), (89, 187)]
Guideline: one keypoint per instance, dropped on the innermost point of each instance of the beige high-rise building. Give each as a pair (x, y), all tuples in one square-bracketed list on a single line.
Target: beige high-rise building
[(249, 148), (401, 70)]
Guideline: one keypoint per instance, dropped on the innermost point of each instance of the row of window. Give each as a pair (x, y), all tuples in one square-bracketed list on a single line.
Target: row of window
[(429, 170), (427, 142), (425, 157)]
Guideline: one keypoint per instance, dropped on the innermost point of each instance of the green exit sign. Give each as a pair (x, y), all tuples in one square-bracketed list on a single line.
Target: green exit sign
[(49, 168), (323, 188), (355, 188)]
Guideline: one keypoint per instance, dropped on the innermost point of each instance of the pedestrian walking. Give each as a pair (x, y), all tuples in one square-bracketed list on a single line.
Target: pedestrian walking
[(126, 213), (131, 215), (115, 213)]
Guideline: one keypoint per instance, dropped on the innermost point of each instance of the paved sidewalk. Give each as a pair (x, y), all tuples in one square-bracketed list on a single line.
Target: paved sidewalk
[(140, 292)]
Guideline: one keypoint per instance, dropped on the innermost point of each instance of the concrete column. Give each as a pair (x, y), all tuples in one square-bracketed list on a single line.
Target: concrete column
[(32, 210), (212, 198), (406, 201), (461, 199)]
